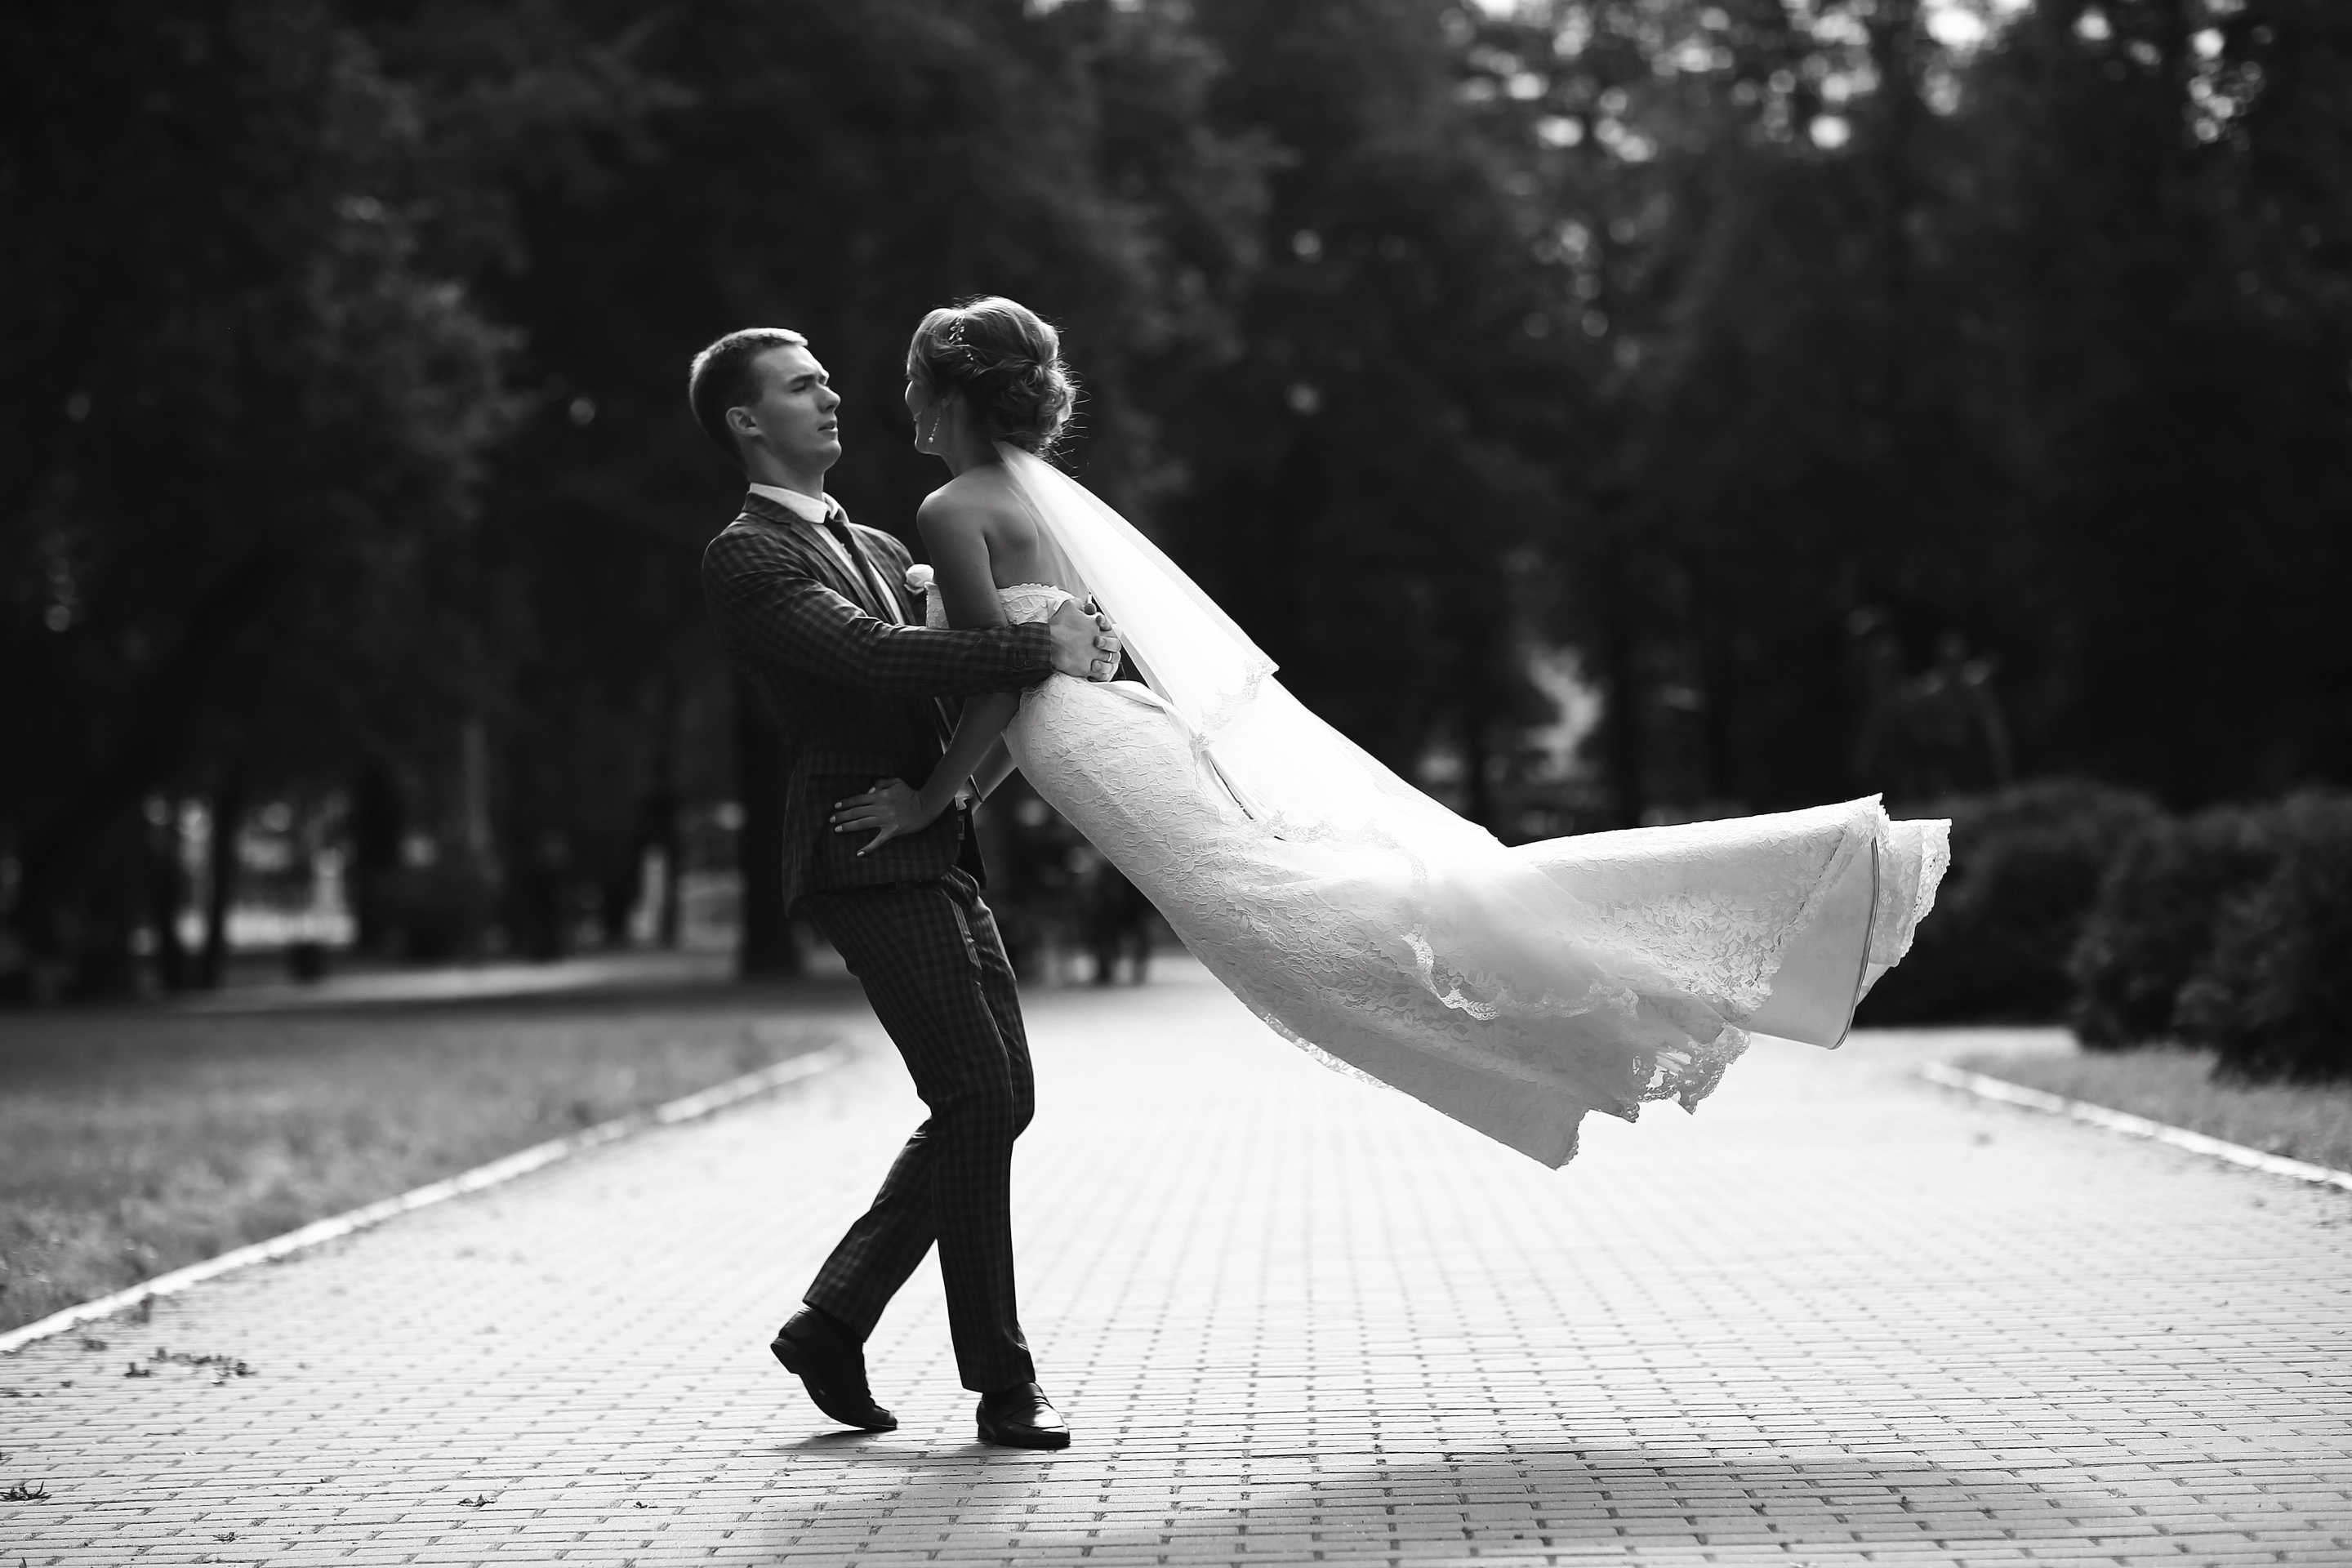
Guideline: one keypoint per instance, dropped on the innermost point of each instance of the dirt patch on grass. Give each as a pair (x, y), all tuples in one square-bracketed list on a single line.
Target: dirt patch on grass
[(2175, 1087), (135, 1142)]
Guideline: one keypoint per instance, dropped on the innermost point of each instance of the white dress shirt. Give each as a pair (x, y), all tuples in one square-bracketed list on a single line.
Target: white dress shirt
[(812, 510)]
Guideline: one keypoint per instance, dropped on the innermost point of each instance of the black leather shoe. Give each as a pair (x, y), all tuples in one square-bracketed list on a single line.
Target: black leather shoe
[(831, 1366), (1021, 1419)]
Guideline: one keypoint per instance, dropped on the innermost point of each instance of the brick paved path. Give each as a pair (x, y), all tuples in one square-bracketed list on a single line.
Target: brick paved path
[(1838, 1317)]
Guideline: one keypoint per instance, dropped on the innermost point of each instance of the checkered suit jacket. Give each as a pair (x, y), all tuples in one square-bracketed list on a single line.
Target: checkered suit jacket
[(851, 694)]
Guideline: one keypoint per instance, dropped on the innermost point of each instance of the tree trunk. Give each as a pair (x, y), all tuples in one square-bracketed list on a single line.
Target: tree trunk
[(377, 826), (1478, 703), (220, 882), (1623, 714), (667, 834), (1478, 763), (1718, 680), (764, 945), (166, 891), (670, 916)]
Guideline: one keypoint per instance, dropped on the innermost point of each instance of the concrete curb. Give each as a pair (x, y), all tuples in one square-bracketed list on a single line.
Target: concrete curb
[(521, 1162), (2006, 1093)]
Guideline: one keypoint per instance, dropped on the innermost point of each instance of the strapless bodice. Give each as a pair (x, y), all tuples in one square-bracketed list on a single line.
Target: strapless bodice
[(1022, 602)]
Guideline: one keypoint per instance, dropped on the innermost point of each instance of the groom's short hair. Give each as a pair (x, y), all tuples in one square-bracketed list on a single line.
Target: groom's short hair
[(722, 378)]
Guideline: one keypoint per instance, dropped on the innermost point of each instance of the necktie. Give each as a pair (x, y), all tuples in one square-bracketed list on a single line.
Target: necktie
[(878, 597), (881, 601)]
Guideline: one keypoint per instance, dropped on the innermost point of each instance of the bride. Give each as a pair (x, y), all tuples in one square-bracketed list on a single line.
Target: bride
[(1512, 989)]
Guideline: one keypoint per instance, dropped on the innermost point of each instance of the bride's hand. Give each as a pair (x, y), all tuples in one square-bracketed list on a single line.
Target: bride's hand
[(890, 806), (1085, 643)]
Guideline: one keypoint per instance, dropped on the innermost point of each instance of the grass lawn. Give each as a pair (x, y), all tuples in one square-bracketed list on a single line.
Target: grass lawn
[(2300, 1121), (135, 1141)]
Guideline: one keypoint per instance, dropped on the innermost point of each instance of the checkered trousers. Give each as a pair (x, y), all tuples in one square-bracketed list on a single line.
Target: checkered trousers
[(934, 968)]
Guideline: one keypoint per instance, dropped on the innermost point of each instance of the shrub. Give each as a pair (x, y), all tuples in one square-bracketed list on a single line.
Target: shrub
[(2027, 864), (2274, 1000), (2150, 930)]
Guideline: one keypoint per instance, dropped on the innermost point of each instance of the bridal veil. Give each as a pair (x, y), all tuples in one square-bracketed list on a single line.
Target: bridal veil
[(1605, 970)]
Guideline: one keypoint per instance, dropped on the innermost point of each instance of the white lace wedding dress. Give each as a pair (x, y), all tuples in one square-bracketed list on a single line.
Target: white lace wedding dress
[(1512, 989)]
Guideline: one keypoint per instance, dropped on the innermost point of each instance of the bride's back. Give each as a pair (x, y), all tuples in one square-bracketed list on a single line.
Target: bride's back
[(982, 500)]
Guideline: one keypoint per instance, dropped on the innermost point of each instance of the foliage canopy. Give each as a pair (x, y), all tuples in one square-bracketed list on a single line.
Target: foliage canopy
[(1751, 351)]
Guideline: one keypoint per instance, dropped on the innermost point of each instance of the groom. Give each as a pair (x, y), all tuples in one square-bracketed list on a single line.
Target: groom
[(813, 613)]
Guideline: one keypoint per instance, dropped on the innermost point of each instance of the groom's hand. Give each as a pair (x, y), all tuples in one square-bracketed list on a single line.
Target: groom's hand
[(890, 808), (1085, 642)]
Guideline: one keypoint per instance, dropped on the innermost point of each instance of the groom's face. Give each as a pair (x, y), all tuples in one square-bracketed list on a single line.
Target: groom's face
[(793, 416)]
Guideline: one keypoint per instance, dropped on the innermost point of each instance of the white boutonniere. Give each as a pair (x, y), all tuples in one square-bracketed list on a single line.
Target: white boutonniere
[(919, 579)]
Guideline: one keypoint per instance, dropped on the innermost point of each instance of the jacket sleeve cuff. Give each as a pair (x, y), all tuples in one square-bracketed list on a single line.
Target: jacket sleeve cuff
[(1032, 657)]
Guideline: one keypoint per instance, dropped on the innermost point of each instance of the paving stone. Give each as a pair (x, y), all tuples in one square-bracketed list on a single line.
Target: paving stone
[(1838, 1318)]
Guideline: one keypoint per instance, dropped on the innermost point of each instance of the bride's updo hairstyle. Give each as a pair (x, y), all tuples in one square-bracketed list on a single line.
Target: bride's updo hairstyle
[(1005, 360)]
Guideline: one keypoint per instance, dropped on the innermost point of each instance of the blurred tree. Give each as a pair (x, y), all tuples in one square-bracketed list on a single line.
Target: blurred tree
[(1917, 337), (1734, 215), (785, 164), (236, 419), (2165, 242), (1758, 350), (1360, 491)]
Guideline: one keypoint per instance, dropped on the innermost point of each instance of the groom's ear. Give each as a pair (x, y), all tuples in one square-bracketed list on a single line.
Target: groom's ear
[(741, 425)]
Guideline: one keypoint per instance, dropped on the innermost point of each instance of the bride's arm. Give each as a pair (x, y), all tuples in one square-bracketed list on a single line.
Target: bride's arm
[(994, 770), (977, 734), (961, 576)]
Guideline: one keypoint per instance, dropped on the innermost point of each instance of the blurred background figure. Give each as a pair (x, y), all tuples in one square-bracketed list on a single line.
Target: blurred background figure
[(1117, 920), (1876, 677), (1060, 905), (1958, 740), (1930, 736)]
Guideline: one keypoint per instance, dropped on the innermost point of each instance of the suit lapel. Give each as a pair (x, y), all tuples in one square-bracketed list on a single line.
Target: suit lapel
[(837, 573), (830, 568), (892, 576)]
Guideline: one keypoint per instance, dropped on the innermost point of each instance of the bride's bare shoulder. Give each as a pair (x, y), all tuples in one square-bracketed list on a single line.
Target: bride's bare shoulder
[(978, 502)]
